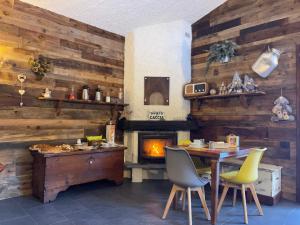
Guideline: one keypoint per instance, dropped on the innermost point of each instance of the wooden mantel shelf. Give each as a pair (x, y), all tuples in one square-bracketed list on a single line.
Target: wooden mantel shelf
[(244, 97), (86, 102), (89, 102)]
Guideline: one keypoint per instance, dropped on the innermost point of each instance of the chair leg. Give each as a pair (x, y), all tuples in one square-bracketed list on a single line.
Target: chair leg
[(169, 202), (181, 196), (190, 205), (234, 196), (226, 187), (244, 204), (203, 191), (183, 200), (252, 189), (202, 198)]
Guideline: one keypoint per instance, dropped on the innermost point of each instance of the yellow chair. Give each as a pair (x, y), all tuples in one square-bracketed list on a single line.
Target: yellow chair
[(243, 179)]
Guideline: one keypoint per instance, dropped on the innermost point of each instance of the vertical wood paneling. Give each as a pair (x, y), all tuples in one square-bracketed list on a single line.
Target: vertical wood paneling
[(253, 25), (80, 54)]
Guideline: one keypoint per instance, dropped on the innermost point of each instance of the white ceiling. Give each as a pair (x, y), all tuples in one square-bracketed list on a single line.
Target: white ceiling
[(123, 16)]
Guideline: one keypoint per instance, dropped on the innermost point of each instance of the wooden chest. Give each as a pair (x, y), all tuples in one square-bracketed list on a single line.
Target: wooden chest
[(268, 185), (53, 173)]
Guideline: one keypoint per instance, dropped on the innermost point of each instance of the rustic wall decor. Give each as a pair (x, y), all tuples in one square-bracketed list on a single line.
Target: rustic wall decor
[(254, 25), (21, 79), (80, 54), (156, 90), (267, 62), (282, 110)]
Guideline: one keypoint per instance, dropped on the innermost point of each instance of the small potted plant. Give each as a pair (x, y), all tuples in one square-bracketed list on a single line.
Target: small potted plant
[(39, 67), (221, 52)]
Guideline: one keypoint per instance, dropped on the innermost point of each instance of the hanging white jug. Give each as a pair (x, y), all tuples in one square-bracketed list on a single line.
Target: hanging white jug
[(267, 62)]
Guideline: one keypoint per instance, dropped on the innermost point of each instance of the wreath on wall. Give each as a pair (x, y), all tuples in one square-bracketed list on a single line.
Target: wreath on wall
[(39, 66)]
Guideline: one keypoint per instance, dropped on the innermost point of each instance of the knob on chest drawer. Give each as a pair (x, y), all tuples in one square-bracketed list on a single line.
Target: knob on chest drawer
[(91, 160)]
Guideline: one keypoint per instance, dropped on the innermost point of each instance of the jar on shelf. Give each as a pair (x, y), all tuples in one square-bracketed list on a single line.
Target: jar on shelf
[(85, 93)]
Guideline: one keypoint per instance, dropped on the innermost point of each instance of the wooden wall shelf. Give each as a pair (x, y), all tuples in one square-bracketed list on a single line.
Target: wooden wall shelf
[(244, 97), (58, 101)]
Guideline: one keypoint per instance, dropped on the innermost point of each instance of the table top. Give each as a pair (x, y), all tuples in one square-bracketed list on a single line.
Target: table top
[(81, 152), (220, 154)]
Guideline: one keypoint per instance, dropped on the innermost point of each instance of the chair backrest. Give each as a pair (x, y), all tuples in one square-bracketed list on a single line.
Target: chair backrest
[(248, 173), (180, 168)]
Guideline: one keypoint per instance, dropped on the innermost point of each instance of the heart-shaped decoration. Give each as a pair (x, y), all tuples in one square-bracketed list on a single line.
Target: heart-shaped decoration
[(21, 92), (21, 78)]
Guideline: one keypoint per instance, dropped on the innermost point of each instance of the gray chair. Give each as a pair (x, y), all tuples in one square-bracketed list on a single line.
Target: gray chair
[(182, 173)]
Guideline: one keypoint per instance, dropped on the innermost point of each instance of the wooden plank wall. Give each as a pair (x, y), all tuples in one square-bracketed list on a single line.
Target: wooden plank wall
[(253, 24), (81, 54)]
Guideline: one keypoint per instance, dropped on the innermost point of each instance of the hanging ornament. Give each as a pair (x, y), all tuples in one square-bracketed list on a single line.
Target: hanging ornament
[(282, 110), (21, 78)]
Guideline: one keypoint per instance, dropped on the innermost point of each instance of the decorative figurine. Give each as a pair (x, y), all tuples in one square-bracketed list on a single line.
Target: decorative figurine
[(237, 85), (21, 78), (222, 89), (282, 110), (212, 91), (249, 84), (46, 93)]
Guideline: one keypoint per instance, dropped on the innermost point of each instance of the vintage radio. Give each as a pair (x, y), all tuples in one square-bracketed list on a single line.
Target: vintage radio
[(195, 89)]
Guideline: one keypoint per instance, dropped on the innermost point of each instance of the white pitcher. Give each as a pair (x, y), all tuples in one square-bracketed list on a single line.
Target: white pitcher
[(267, 62)]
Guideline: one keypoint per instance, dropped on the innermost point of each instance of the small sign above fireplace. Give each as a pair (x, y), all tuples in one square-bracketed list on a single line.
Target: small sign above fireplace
[(156, 115)]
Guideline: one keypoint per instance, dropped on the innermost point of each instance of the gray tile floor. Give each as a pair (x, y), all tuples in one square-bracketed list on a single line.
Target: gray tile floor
[(102, 203)]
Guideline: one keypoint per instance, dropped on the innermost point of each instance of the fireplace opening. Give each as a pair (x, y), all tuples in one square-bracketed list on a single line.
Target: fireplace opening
[(151, 146)]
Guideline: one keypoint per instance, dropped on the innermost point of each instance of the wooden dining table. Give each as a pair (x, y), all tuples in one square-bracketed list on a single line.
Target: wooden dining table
[(216, 156)]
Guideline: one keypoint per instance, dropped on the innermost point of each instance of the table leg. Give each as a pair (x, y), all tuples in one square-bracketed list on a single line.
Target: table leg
[(215, 171)]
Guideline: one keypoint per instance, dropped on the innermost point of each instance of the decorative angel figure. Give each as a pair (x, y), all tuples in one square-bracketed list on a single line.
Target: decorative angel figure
[(236, 86), (282, 110), (249, 84)]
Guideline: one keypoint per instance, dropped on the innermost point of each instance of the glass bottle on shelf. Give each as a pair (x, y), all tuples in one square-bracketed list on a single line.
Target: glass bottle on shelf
[(120, 95), (98, 94), (72, 93), (107, 98), (85, 93)]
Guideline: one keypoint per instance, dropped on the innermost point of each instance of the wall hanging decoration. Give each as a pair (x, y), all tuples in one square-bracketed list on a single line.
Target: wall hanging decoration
[(282, 110), (236, 86), (221, 52), (21, 79), (156, 90), (267, 62), (156, 115), (40, 67)]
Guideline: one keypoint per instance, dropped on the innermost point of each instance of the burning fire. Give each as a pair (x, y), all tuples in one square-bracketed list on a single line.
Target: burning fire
[(155, 147)]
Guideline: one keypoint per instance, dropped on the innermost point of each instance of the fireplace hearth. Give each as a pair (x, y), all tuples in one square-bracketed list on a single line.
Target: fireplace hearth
[(151, 146)]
